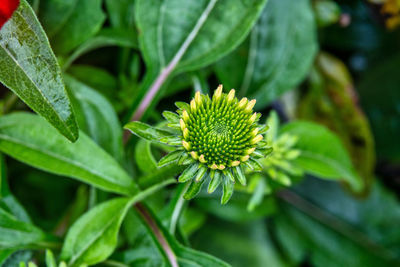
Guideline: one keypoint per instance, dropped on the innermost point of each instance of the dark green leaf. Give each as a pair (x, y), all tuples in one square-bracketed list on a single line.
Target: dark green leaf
[(207, 31), (54, 14), (121, 13), (232, 20), (29, 68), (277, 55), (82, 22), (30, 139)]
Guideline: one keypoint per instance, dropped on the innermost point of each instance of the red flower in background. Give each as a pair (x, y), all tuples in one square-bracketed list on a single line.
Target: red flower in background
[(7, 8)]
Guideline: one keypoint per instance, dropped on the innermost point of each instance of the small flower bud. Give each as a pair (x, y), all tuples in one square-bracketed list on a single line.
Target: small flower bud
[(186, 145), (257, 139), (250, 105), (242, 103), (231, 95), (182, 124)]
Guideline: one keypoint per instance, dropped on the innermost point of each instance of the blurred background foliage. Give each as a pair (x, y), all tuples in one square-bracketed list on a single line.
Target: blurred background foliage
[(335, 63)]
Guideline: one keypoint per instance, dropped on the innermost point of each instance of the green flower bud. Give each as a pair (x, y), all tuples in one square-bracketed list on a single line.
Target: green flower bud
[(219, 134)]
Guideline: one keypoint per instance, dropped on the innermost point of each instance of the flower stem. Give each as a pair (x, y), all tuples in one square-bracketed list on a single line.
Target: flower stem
[(178, 207), (157, 234)]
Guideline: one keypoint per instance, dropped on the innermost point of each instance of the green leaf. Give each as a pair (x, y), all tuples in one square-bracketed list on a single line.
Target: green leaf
[(50, 261), (195, 41), (207, 31), (29, 68), (170, 158), (30, 139), (15, 234), (194, 189), (83, 21), (322, 153), (146, 131), (93, 237), (321, 222), (188, 173), (54, 14), (96, 117), (106, 37), (121, 13), (277, 55)]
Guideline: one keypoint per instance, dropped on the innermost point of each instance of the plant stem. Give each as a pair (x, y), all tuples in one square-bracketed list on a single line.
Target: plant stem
[(178, 208), (162, 241)]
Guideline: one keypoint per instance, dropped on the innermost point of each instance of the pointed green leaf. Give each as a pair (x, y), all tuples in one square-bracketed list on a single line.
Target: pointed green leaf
[(214, 182), (170, 158), (189, 173), (50, 261), (227, 190), (239, 174), (30, 69), (146, 131), (193, 189), (258, 195), (171, 116), (182, 105)]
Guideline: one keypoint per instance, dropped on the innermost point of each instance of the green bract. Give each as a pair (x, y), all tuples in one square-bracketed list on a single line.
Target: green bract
[(215, 137)]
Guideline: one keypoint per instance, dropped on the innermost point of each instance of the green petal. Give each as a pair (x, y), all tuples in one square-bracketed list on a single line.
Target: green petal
[(171, 117), (146, 131), (172, 140), (228, 174), (188, 173), (254, 165), (182, 105), (227, 190), (214, 182), (200, 173), (239, 174), (257, 196), (170, 158), (283, 179), (193, 189)]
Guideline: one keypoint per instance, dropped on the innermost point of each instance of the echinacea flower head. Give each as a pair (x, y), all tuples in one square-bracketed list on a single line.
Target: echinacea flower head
[(217, 138)]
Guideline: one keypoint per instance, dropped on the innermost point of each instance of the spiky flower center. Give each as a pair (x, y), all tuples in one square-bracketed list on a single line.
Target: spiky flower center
[(221, 131)]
